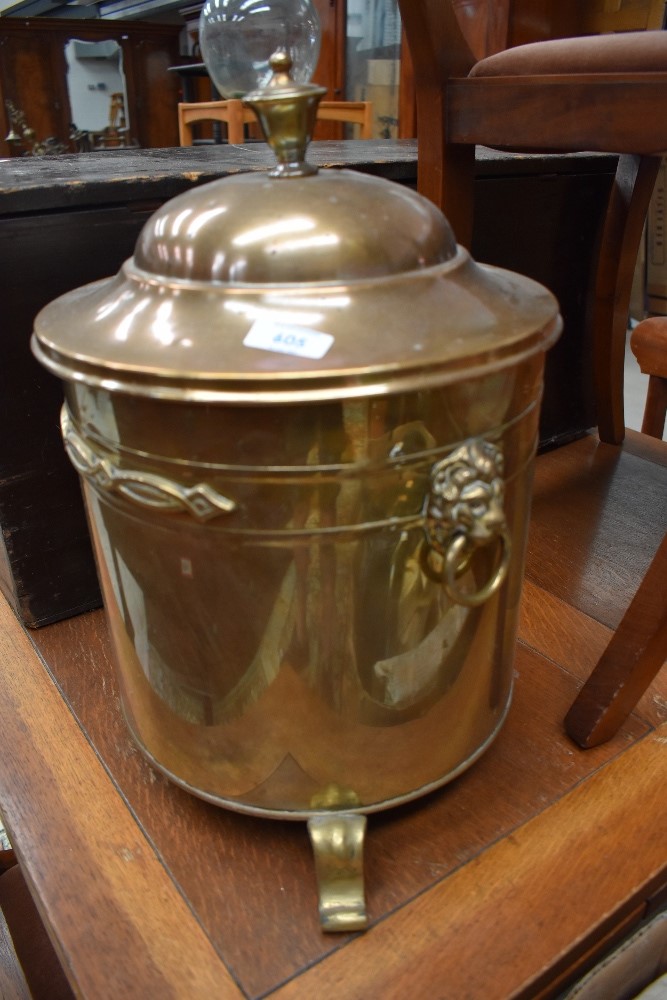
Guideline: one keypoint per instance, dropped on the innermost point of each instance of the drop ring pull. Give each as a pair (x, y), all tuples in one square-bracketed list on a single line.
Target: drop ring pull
[(463, 514)]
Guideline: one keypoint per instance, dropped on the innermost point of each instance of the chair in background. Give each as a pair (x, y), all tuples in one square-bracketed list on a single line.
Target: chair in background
[(635, 654), (236, 116), (350, 112), (648, 342), (603, 93), (231, 113), (638, 648)]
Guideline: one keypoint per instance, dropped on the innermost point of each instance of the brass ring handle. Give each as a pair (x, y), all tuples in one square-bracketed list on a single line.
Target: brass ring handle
[(463, 513), (456, 560)]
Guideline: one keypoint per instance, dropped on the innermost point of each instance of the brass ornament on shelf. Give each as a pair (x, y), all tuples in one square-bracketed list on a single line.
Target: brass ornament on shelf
[(20, 134)]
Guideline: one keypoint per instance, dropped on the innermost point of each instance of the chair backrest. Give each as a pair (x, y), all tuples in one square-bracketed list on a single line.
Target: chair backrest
[(484, 24), (354, 112), (232, 113), (236, 116)]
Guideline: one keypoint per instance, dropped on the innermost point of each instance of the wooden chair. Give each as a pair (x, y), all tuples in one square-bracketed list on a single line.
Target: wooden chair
[(602, 93), (352, 112), (232, 113), (236, 116), (639, 646), (630, 662), (649, 345)]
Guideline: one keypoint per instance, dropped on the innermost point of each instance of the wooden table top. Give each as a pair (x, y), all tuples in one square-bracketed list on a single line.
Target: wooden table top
[(506, 883), (74, 181)]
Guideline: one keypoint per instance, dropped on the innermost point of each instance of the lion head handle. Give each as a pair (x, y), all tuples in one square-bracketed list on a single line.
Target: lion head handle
[(466, 496)]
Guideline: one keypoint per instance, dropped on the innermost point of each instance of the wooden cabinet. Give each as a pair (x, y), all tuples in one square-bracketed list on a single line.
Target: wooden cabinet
[(33, 75)]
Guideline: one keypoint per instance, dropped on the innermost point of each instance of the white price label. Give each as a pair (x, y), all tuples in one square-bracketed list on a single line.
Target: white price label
[(283, 338)]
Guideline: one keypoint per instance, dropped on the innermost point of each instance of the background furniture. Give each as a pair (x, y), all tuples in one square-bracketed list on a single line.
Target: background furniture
[(593, 93), (29, 966), (236, 117), (638, 649), (635, 654), (231, 113), (33, 74), (602, 93), (495, 885), (648, 342), (621, 15)]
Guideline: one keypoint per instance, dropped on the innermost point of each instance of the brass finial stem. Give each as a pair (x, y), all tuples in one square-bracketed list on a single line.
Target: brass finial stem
[(287, 112)]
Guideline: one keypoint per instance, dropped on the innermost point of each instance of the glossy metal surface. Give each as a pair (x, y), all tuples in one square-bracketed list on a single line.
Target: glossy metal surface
[(305, 421), (278, 625), (338, 846), (365, 264), (294, 643)]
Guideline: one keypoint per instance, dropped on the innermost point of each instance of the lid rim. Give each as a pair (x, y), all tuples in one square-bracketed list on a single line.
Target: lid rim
[(265, 387)]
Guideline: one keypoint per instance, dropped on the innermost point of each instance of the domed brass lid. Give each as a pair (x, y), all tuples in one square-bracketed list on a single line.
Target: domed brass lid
[(293, 286)]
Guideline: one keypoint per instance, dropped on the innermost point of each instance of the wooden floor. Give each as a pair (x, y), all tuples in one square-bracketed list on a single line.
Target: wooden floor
[(508, 883)]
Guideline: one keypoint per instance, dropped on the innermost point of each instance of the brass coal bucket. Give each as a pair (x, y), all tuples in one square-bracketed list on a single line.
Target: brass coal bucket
[(305, 423)]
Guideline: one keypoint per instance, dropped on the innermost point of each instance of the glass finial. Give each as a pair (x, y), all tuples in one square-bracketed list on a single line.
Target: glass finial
[(237, 38)]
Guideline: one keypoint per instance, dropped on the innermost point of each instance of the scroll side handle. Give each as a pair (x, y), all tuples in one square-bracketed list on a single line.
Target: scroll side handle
[(463, 513), (144, 489)]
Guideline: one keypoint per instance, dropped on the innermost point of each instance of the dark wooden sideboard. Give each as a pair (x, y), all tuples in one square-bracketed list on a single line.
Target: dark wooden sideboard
[(65, 221)]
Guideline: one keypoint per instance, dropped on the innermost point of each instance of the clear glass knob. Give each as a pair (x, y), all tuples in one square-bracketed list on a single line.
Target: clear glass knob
[(238, 37)]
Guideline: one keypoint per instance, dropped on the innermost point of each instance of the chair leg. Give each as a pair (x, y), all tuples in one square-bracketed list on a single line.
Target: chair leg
[(632, 659), (448, 181), (235, 130), (184, 131), (619, 245)]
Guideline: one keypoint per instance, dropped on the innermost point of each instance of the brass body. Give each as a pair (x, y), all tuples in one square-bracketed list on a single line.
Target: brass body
[(311, 563), (296, 644)]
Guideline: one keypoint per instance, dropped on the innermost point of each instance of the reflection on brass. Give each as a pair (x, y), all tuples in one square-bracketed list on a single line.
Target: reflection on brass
[(464, 513), (321, 351), (335, 797), (142, 488), (338, 845)]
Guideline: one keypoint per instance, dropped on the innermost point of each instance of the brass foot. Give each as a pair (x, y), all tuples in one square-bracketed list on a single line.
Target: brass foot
[(338, 845)]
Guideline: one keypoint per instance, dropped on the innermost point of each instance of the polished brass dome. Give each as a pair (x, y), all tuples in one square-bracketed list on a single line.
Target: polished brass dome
[(332, 227)]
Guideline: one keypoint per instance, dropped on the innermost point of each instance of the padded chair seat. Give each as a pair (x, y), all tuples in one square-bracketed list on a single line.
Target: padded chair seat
[(625, 52)]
